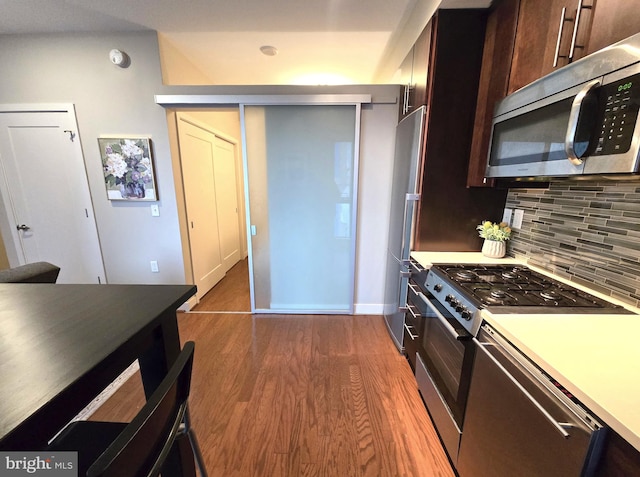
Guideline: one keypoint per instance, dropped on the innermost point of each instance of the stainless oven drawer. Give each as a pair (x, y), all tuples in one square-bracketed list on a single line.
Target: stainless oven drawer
[(440, 414)]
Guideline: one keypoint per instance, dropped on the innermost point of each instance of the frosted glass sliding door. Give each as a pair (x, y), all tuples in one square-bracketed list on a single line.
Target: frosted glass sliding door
[(302, 178)]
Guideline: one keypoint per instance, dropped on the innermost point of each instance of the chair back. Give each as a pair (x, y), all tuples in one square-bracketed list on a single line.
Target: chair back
[(142, 447)]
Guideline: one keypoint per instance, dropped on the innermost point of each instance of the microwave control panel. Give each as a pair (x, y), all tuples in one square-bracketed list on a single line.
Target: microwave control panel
[(618, 112)]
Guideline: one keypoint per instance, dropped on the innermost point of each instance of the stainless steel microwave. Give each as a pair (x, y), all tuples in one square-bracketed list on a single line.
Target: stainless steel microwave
[(579, 120)]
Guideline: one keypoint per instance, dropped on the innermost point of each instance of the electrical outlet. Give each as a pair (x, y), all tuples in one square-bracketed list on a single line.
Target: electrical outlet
[(506, 216), (154, 266), (518, 216), (155, 210)]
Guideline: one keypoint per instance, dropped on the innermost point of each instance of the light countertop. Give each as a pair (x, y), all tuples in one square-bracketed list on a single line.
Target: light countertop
[(426, 259), (596, 357)]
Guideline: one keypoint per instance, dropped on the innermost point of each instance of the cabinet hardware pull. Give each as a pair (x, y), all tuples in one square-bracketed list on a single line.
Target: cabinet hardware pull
[(418, 267), (407, 96), (559, 426), (413, 313), (405, 99), (576, 25), (414, 288), (411, 335), (563, 19)]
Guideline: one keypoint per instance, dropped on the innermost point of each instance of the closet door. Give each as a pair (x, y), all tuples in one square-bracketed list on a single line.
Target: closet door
[(224, 167), (197, 152)]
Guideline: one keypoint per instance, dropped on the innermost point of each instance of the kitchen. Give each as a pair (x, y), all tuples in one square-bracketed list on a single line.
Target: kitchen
[(517, 199), (463, 308)]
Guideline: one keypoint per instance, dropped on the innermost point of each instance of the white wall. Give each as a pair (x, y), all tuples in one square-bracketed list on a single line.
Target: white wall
[(109, 101), (176, 68)]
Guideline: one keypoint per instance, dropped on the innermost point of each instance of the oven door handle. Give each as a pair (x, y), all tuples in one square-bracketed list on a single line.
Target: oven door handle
[(452, 331)]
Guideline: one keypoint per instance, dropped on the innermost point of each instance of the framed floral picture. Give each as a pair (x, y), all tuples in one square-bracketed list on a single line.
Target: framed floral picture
[(128, 168)]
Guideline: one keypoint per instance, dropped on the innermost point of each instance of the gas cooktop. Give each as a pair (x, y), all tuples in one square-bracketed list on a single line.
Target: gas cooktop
[(519, 289), (461, 291)]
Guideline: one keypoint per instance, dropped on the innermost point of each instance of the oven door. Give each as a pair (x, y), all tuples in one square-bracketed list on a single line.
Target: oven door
[(443, 371)]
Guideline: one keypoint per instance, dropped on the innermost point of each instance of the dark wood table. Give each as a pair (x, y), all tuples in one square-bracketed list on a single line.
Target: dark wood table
[(61, 345)]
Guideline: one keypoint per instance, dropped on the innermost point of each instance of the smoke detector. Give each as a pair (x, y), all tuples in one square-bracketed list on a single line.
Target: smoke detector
[(119, 58)]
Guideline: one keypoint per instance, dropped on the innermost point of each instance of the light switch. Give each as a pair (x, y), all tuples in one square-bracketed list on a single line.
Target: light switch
[(506, 216), (155, 210)]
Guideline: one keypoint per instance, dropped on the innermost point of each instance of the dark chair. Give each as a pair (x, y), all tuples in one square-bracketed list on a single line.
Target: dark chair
[(141, 447), (36, 272)]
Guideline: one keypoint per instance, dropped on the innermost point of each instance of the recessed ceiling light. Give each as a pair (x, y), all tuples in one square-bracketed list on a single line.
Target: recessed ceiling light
[(269, 50)]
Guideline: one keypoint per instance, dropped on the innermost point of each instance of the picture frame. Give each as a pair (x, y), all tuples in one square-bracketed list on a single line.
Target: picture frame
[(127, 163)]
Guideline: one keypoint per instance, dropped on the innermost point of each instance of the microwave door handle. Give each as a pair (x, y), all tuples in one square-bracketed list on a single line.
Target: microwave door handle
[(574, 117)]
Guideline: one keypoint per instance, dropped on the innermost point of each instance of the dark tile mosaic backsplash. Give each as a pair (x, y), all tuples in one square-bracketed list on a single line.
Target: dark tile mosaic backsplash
[(587, 232)]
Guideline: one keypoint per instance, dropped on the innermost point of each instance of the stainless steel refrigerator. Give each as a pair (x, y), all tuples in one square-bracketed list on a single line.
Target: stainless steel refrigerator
[(431, 207), (404, 202)]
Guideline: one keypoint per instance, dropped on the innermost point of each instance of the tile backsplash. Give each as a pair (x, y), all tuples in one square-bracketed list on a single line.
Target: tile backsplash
[(587, 232)]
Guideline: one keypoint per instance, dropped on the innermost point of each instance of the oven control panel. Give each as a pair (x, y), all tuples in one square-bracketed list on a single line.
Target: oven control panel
[(458, 306)]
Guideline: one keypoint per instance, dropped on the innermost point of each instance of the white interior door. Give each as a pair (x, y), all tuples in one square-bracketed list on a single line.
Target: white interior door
[(47, 213), (197, 152), (224, 160)]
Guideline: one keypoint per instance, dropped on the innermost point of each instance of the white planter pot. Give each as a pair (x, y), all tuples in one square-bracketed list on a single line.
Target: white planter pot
[(494, 248)]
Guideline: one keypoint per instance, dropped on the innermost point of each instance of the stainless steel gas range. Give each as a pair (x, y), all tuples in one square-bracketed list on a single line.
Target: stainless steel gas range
[(463, 290), (454, 342)]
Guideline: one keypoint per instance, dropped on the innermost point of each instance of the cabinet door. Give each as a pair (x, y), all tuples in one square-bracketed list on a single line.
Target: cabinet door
[(494, 80), (421, 52), (620, 458), (613, 20), (405, 73), (539, 30), (414, 73)]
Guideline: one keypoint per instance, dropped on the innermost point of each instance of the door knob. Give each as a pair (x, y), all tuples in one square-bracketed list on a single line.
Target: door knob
[(23, 227)]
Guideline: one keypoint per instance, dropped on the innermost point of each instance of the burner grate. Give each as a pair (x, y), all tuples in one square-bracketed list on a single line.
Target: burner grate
[(517, 286)]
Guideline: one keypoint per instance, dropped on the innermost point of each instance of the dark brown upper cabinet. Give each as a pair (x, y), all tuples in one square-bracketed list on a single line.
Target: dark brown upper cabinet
[(414, 73), (494, 81), (613, 20)]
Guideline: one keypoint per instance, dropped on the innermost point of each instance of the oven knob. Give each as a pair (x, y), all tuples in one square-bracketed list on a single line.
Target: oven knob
[(438, 287), (459, 307), (466, 314), (450, 299)]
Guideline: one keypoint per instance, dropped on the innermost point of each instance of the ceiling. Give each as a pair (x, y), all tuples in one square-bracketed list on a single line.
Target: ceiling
[(318, 41)]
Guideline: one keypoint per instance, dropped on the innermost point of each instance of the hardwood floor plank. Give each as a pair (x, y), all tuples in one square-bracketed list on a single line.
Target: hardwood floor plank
[(229, 294), (300, 396)]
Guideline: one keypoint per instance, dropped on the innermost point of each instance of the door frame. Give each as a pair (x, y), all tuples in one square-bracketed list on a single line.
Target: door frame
[(14, 252), (176, 102)]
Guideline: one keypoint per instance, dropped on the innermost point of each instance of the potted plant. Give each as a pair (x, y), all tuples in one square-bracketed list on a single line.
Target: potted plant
[(495, 238)]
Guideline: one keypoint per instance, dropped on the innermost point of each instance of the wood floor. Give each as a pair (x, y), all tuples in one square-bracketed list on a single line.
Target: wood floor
[(300, 395), (229, 294)]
